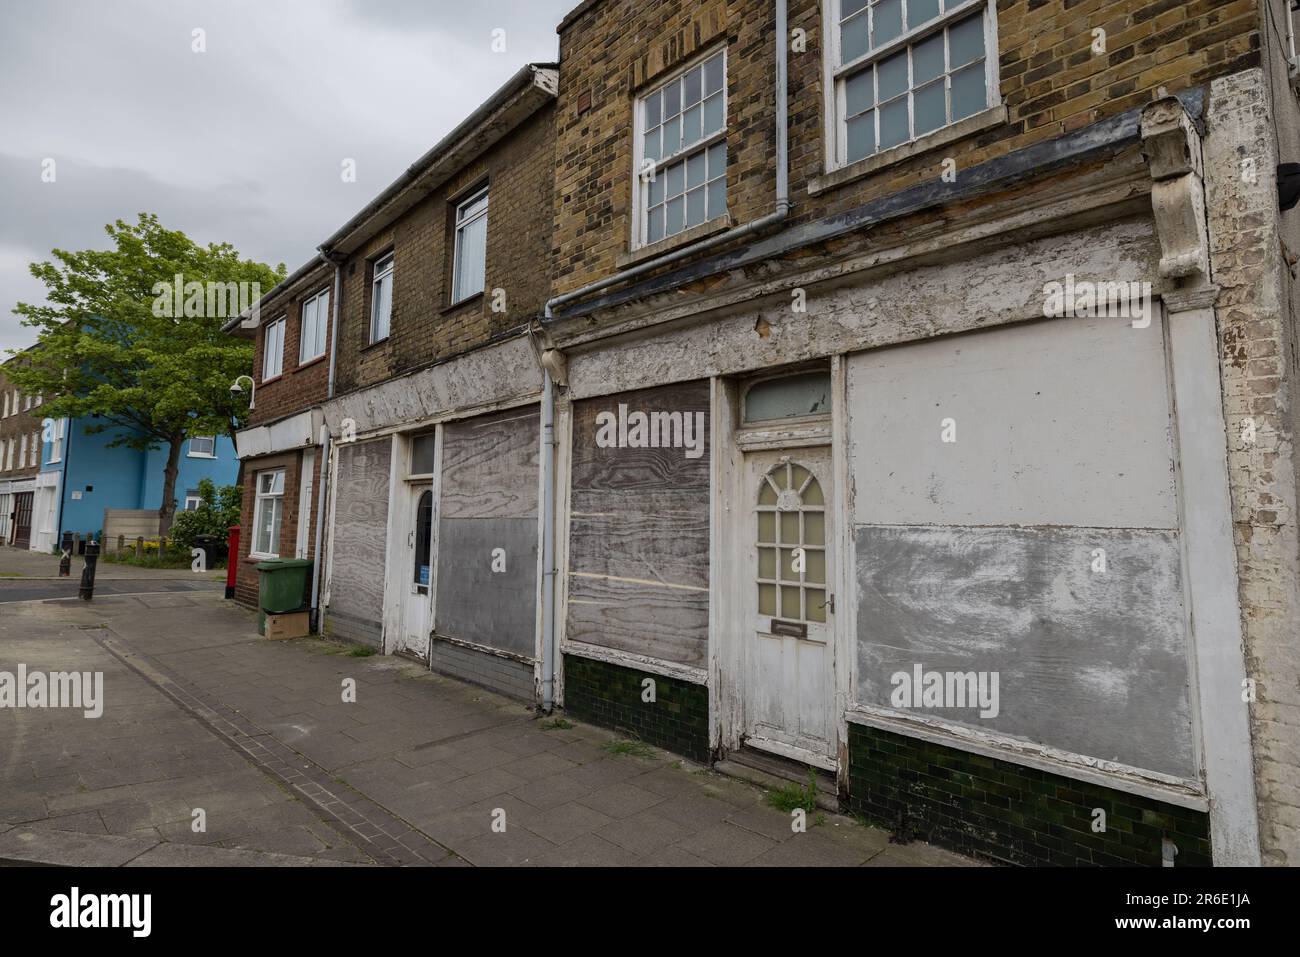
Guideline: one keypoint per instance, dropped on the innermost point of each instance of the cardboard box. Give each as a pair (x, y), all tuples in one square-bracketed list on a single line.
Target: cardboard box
[(293, 624)]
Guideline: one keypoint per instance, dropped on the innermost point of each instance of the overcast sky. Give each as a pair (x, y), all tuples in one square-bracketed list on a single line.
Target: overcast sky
[(242, 143)]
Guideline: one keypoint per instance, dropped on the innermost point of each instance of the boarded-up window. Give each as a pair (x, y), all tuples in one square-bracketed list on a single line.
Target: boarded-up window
[(359, 537), (638, 577), (487, 532)]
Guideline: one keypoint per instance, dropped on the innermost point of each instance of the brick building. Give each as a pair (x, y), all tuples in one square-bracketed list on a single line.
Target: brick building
[(20, 460), (898, 390)]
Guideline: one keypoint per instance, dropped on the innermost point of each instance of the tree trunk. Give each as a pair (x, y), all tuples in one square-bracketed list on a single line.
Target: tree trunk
[(167, 510)]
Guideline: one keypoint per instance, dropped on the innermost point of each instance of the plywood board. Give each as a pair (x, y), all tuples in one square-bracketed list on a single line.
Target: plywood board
[(497, 609), (490, 465), (360, 530), (1088, 662)]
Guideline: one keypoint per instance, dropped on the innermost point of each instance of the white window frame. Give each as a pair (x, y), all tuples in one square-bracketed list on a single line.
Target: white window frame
[(262, 497), (189, 448), (640, 182), (6, 406), (273, 347), (382, 270), (4, 451), (35, 450), (836, 74), (56, 447), (463, 222), (320, 327), (192, 495), (27, 403), (22, 450)]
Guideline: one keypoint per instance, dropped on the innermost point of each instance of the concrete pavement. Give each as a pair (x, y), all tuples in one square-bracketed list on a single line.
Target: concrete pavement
[(202, 715)]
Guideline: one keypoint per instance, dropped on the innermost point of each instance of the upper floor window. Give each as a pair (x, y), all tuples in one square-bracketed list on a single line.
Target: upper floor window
[(5, 414), (203, 447), (682, 152), (273, 349), (9, 455), (470, 264), (312, 327), (192, 499), (56, 446), (27, 402), (35, 460), (22, 450), (905, 68), (381, 298)]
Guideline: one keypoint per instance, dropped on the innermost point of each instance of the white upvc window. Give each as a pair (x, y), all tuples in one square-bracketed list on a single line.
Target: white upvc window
[(273, 349), (381, 298), (38, 400), (6, 407), (27, 402), (35, 449), (681, 151), (14, 408), (203, 447), (267, 514), (470, 264), (904, 68), (6, 454), (192, 500), (22, 450), (312, 327), (56, 447)]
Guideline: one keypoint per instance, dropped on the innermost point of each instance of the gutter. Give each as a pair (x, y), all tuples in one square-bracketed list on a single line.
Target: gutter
[(782, 210), (318, 613)]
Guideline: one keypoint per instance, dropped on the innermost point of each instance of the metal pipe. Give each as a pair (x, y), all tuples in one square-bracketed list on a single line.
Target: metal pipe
[(548, 542), (322, 463)]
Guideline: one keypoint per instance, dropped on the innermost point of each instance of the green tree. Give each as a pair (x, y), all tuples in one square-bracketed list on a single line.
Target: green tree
[(219, 508), (132, 335)]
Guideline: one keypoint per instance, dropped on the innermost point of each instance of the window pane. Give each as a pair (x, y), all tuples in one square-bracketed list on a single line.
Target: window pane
[(816, 599), (850, 7), (862, 136), (695, 206), (655, 226), (789, 528), (422, 454), (927, 59), (652, 110), (471, 255), (767, 496), (717, 198), (676, 176), (893, 124), (790, 602), (928, 108), (717, 160), (815, 570), (691, 125), (766, 562), (675, 213), (787, 566), (859, 94), (805, 394), (887, 17), (814, 523), (672, 95), (651, 145), (692, 85), (277, 483), (672, 136), (968, 95), (854, 40), (965, 41), (713, 75), (892, 75), (923, 11), (695, 170), (322, 322), (713, 116), (766, 521), (655, 191), (767, 600)]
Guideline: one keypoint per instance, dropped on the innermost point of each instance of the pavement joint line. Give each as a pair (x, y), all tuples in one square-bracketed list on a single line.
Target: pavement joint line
[(158, 675)]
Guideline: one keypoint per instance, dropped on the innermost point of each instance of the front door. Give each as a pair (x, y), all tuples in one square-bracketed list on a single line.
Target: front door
[(23, 519), (788, 691), (419, 572)]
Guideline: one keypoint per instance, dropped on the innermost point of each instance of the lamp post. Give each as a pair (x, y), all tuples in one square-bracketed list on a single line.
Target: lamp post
[(236, 389)]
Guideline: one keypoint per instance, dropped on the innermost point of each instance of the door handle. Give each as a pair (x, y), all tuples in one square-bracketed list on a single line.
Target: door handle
[(410, 539), (829, 604)]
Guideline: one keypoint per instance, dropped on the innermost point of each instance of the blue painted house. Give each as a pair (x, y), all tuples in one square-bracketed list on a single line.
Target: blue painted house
[(81, 476)]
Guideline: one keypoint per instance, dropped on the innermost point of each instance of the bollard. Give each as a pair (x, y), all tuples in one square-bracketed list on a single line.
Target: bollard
[(88, 573), (65, 556), (139, 546), (232, 559), (121, 544)]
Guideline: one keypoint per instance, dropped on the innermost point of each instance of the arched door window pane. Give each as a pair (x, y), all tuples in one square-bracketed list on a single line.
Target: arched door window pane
[(423, 531), (791, 544)]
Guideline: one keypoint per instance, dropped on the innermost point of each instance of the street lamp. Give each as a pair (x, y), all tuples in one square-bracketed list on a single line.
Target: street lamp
[(236, 389)]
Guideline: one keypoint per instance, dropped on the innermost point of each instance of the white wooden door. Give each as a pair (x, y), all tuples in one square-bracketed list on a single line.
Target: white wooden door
[(418, 575), (788, 681)]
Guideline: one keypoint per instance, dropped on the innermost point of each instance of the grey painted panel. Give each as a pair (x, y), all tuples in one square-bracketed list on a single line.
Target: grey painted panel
[(360, 530), (490, 465), (495, 609), (1060, 422), (503, 675), (639, 533), (1090, 663)]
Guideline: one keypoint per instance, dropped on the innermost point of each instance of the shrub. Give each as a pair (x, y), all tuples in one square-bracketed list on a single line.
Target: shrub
[(218, 510)]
